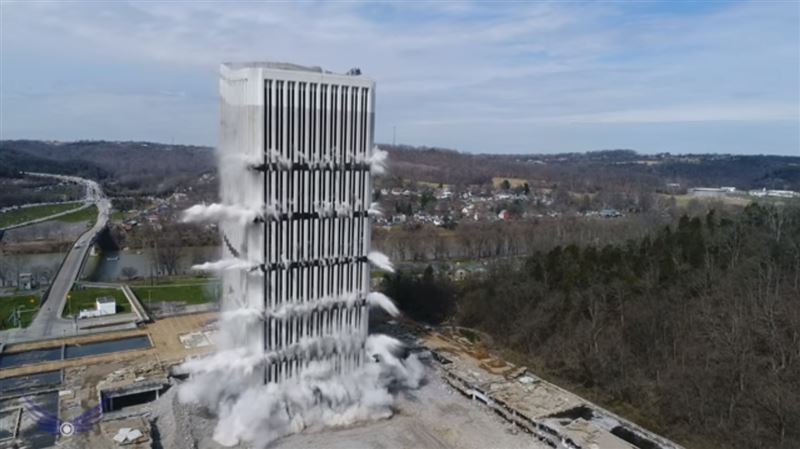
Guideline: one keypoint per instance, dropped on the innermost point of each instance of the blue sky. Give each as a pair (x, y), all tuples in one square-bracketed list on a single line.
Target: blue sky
[(533, 77)]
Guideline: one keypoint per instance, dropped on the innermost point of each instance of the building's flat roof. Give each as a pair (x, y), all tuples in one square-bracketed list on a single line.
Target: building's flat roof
[(258, 71), (273, 66), (286, 66), (105, 299)]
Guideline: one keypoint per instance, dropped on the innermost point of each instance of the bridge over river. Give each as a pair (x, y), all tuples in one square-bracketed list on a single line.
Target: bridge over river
[(48, 322)]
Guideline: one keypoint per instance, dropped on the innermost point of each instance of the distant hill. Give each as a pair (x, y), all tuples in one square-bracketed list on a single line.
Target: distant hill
[(596, 170), (122, 166), (12, 162), (155, 167)]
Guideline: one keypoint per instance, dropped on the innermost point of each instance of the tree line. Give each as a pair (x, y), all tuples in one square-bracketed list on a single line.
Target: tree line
[(611, 170), (695, 327), (500, 239)]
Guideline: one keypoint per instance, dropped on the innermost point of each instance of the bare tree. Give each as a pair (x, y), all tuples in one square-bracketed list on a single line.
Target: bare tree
[(168, 258), (129, 272)]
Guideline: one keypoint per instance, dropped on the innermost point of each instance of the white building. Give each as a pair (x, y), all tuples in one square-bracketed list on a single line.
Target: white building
[(26, 281), (104, 305), (307, 136), (774, 193), (783, 193)]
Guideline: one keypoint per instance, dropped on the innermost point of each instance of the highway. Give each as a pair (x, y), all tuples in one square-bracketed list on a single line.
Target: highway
[(48, 322)]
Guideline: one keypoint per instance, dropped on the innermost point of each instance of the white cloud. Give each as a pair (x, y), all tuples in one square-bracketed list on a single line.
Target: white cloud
[(436, 64)]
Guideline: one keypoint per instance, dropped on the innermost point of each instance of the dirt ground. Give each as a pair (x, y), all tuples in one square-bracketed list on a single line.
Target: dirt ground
[(433, 417)]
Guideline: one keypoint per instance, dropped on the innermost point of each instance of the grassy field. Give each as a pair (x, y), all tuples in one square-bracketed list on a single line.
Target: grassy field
[(683, 200), (18, 216), (514, 182), (167, 281), (118, 216), (88, 214), (730, 200), (186, 293), (8, 304), (81, 299)]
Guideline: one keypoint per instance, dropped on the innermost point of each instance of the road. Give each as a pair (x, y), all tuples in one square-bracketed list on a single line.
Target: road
[(48, 322)]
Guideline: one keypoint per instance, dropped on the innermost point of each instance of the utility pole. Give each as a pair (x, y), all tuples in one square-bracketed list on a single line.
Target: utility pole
[(15, 317), (154, 265)]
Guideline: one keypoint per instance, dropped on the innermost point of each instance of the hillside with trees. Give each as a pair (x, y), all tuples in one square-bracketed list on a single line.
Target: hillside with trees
[(156, 167), (693, 330), (122, 167), (616, 170)]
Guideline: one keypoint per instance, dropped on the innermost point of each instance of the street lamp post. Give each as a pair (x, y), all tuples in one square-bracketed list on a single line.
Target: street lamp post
[(17, 317)]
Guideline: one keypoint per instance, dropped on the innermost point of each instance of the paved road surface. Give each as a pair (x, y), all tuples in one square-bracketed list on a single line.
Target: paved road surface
[(48, 322)]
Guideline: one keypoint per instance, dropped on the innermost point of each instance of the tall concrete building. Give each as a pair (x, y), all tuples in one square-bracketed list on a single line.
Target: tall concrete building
[(295, 143)]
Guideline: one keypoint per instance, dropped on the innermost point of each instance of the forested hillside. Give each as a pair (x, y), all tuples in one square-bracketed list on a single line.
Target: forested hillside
[(13, 162), (694, 331), (156, 167), (616, 170), (124, 167)]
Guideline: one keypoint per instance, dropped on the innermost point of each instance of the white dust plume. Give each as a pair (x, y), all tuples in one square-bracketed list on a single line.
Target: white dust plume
[(220, 212), (277, 158), (378, 161), (378, 299), (381, 261), (256, 414), (226, 264), (243, 314), (374, 210), (247, 160)]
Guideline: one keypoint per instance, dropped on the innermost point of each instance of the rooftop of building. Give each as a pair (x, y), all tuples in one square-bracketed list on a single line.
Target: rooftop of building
[(274, 65)]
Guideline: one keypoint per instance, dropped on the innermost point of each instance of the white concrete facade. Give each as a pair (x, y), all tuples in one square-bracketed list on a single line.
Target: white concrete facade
[(306, 136), (103, 306)]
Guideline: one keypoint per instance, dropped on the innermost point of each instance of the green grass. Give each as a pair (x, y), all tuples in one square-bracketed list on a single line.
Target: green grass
[(8, 304), (84, 298), (187, 294), (18, 216), (167, 281), (88, 214), (513, 182)]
